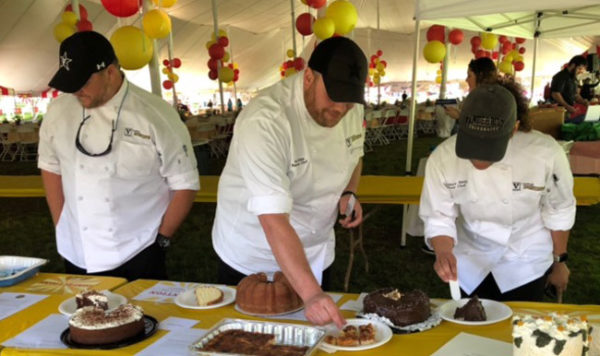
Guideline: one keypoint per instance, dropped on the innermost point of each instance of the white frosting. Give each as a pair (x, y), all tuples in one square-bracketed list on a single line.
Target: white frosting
[(557, 326), (80, 320), (394, 295)]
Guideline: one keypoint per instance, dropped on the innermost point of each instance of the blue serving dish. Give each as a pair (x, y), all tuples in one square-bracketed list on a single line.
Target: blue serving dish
[(15, 269)]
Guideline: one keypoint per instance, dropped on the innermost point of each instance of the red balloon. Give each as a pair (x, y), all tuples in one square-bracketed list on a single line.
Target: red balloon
[(84, 25), (224, 41), (167, 84), (519, 66), (236, 71), (213, 74), (507, 45), (213, 64), (289, 64), (384, 63), (317, 4), (216, 51), (475, 41), (522, 50), (379, 53), (480, 53), (299, 63), (82, 11), (176, 62), (495, 55), (373, 58), (436, 33), (505, 49), (304, 24), (122, 8), (456, 36), (519, 40), (502, 39), (166, 63), (282, 73)]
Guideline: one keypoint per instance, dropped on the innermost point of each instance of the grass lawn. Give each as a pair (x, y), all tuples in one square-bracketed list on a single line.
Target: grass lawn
[(26, 229)]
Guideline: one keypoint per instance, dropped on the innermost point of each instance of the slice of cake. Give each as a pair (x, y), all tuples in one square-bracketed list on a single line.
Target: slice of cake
[(353, 336), (94, 326), (472, 311), (206, 295), (555, 334), (93, 299)]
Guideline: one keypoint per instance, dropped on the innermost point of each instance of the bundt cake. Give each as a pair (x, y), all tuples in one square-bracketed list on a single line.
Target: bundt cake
[(95, 326), (401, 309), (257, 295)]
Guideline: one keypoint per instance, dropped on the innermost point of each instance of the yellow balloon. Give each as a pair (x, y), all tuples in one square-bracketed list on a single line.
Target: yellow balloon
[(174, 78), (69, 18), (434, 51), (165, 71), (376, 79), (382, 73), (281, 69), (62, 31), (508, 58), (379, 66), (439, 71), (344, 15), (164, 3), (290, 71), (132, 47), (371, 71), (210, 43), (226, 57), (505, 67), (226, 74), (518, 58), (222, 33), (438, 79), (324, 28), (156, 23), (235, 65), (489, 40), (290, 53), (304, 2)]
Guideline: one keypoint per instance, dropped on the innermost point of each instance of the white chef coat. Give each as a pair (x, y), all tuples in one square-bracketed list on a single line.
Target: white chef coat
[(500, 218), (282, 161), (114, 204)]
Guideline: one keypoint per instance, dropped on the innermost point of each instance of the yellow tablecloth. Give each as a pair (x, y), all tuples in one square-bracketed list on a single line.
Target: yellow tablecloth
[(423, 343), (372, 189), (56, 283)]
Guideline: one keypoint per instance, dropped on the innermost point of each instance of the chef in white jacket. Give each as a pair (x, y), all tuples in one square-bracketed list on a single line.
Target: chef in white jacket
[(498, 203)]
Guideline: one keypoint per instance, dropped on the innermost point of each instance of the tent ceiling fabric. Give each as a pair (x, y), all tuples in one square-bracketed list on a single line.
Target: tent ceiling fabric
[(260, 33)]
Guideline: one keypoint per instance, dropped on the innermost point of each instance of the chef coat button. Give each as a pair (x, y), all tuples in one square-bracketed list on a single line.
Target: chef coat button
[(106, 168), (85, 228), (505, 201), (314, 232), (81, 166), (110, 230), (106, 200), (84, 135), (80, 198)]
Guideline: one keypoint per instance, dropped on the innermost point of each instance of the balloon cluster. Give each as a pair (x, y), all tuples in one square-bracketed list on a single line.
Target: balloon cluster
[(435, 49), (340, 18), (513, 55), (70, 24), (377, 68), (291, 66), (168, 71), (227, 73)]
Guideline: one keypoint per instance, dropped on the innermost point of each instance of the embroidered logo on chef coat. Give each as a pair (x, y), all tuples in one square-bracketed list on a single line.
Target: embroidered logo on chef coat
[(133, 132), (352, 138), (455, 185), (518, 186), (299, 161)]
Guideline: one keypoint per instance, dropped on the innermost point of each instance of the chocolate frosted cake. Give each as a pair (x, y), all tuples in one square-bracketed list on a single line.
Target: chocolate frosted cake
[(95, 326), (472, 311), (92, 298), (401, 309)]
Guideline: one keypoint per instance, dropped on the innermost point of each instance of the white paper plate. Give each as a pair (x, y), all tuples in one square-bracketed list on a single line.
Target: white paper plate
[(383, 334), (69, 306), (187, 299), (494, 311)]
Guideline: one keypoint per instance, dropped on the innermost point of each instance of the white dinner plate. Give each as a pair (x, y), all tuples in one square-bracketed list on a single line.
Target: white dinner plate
[(187, 299), (69, 306), (494, 311), (383, 334)]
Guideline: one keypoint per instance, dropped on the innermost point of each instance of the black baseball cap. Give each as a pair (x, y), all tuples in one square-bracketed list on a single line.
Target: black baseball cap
[(343, 66), (81, 55), (486, 123)]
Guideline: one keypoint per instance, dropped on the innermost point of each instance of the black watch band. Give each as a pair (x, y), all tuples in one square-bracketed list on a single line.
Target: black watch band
[(349, 192), (163, 241), (563, 257)]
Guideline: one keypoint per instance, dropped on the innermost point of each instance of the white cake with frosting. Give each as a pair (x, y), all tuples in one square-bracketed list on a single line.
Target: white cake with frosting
[(94, 326), (552, 335)]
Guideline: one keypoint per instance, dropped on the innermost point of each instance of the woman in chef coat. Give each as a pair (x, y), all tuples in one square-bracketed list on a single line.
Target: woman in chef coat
[(498, 202)]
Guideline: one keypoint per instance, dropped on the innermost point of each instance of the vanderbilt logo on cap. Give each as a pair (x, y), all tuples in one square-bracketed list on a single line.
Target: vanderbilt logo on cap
[(65, 61), (484, 123)]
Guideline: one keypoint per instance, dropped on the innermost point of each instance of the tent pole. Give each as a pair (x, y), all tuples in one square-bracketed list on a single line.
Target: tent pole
[(293, 27), (170, 51), (379, 83), (413, 102), (216, 26), (231, 60), (445, 71), (153, 66), (536, 36), (75, 6)]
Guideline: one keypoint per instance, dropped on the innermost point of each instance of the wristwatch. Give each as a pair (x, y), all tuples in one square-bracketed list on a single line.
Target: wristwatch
[(563, 257), (163, 241)]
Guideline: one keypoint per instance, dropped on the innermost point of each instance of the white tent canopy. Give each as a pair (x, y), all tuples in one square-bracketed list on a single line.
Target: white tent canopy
[(260, 33)]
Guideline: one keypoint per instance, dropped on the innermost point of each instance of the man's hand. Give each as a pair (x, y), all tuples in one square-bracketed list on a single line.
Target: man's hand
[(559, 277), (570, 109), (355, 218), (445, 261), (452, 112), (321, 309)]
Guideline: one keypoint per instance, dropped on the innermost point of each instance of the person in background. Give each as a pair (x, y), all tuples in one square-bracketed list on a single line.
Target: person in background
[(564, 88), (117, 165), (229, 105), (239, 104), (294, 164), (498, 202)]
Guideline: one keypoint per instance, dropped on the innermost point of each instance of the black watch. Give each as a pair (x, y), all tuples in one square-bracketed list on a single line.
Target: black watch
[(163, 241), (563, 257)]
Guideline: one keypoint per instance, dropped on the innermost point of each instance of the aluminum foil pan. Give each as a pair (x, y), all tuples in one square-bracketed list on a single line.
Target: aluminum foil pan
[(14, 269), (285, 334)]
